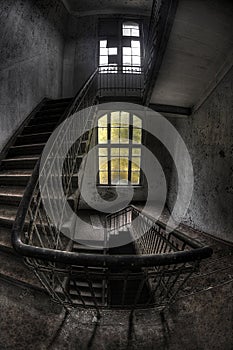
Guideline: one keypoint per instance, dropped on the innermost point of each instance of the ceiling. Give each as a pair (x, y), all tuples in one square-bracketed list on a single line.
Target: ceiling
[(198, 52), (87, 7)]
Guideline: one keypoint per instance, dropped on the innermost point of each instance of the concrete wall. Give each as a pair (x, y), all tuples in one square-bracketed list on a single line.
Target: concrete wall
[(80, 57), (31, 46), (208, 135)]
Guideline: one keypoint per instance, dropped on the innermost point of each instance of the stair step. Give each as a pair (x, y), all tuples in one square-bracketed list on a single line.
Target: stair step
[(32, 138), (85, 293), (11, 195), (7, 215), (30, 149), (60, 100), (14, 267), (86, 249), (84, 284), (19, 177), (45, 127), (55, 105), (44, 120), (24, 162), (50, 111)]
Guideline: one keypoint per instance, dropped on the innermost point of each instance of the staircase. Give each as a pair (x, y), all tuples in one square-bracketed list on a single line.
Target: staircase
[(16, 168), (83, 292)]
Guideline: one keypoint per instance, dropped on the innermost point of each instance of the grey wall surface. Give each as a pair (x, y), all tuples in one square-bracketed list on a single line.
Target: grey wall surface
[(208, 135), (31, 58), (80, 57)]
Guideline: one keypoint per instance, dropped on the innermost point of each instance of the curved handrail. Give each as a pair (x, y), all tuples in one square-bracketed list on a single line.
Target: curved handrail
[(200, 252)]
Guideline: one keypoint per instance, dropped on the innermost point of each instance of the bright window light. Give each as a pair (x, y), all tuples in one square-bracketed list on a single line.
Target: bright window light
[(130, 29), (119, 154)]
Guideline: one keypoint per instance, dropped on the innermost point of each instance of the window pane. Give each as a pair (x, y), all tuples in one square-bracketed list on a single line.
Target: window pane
[(124, 177), (124, 118), (130, 29), (124, 163), (127, 51), (137, 135), (115, 164), (135, 178), (114, 135), (103, 43), (136, 61), (126, 32), (124, 152), (103, 175), (102, 135), (103, 152), (115, 152), (102, 122), (136, 51), (124, 135), (135, 32), (115, 178), (115, 119), (103, 51), (135, 164), (127, 60), (137, 122), (103, 163), (112, 51), (136, 151), (103, 60), (135, 43)]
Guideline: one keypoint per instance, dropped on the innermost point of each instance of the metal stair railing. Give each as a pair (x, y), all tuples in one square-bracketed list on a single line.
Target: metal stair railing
[(48, 252), (175, 256)]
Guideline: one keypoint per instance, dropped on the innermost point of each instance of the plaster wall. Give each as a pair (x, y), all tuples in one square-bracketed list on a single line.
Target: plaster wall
[(31, 57), (80, 56), (208, 134)]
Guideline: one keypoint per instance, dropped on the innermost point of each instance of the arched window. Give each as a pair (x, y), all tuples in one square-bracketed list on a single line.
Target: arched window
[(119, 148)]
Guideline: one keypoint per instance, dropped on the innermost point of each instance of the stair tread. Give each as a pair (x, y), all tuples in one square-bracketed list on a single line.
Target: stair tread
[(84, 284), (8, 212), (84, 294), (62, 99), (16, 172), (35, 134), (34, 121), (40, 125), (28, 146), (22, 158), (15, 191), (81, 247)]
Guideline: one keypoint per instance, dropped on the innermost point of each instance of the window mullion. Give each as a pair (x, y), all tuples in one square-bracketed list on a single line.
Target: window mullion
[(130, 146), (109, 149)]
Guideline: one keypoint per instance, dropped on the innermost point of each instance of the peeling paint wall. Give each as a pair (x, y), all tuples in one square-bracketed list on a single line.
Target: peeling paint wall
[(31, 57), (208, 135)]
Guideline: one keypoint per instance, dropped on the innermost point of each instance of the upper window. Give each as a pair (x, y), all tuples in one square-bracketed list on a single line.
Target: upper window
[(119, 148), (122, 50)]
